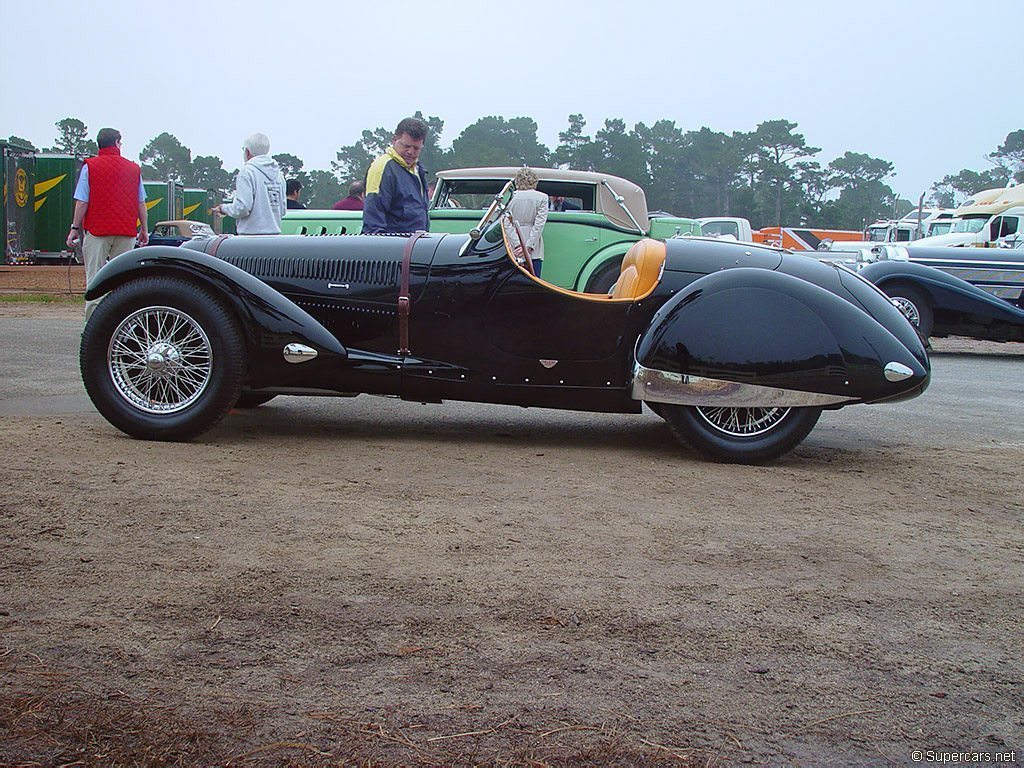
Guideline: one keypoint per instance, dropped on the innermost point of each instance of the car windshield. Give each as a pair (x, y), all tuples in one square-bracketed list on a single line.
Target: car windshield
[(970, 224), (719, 228), (477, 194), (877, 234), (940, 227)]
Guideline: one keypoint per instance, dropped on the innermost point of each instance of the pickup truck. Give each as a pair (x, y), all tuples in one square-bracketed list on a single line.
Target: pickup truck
[(791, 238)]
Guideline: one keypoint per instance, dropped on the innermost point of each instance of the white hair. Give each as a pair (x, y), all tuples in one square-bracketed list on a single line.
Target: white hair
[(257, 144)]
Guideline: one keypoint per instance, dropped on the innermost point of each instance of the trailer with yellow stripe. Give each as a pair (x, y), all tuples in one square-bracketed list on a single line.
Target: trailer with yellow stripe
[(54, 205)]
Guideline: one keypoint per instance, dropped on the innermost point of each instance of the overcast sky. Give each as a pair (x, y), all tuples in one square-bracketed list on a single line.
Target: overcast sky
[(932, 87)]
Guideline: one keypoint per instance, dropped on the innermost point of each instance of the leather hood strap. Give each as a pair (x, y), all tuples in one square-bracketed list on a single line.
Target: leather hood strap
[(403, 294)]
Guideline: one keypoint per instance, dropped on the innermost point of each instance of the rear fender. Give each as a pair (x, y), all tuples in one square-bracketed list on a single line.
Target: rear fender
[(753, 337), (269, 320)]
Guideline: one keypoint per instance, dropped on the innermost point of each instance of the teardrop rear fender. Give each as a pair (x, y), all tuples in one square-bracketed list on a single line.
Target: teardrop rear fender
[(783, 340)]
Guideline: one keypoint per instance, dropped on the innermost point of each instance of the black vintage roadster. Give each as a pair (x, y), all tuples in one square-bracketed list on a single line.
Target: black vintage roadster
[(738, 347)]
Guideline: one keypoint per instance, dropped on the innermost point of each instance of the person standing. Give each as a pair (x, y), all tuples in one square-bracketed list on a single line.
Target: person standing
[(110, 204), (259, 201), (529, 209), (294, 189), (396, 184), (354, 201), (559, 203)]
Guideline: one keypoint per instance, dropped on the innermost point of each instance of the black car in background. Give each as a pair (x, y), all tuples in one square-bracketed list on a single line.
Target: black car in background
[(954, 291), (177, 232)]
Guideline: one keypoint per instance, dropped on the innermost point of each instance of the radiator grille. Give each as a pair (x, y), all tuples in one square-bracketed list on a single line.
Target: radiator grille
[(356, 271)]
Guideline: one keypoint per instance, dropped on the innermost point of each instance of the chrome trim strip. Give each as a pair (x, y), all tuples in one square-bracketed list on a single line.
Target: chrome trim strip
[(994, 263), (976, 274), (679, 389), (298, 353)]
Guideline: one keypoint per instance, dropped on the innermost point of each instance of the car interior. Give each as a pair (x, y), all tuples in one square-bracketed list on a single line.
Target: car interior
[(639, 274)]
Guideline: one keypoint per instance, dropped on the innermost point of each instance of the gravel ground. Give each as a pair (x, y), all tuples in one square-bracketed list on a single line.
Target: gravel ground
[(378, 582)]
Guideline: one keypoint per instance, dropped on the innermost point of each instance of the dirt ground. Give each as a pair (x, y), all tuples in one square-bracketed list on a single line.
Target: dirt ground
[(53, 280), (405, 585)]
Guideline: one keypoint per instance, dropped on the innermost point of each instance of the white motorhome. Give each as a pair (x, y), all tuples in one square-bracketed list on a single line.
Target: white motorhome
[(984, 197), (983, 223)]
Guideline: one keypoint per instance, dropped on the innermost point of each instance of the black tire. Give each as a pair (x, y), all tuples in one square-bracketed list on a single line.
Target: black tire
[(604, 278), (162, 358), (914, 305), (740, 435), (253, 399)]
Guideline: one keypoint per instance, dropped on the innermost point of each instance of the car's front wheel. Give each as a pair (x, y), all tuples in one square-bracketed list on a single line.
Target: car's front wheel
[(741, 435), (162, 359), (915, 307)]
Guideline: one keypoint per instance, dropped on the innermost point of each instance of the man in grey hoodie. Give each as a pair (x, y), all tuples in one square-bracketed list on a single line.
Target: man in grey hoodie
[(259, 201)]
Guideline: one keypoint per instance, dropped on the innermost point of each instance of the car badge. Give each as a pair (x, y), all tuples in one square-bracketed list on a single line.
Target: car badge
[(338, 285), (549, 363)]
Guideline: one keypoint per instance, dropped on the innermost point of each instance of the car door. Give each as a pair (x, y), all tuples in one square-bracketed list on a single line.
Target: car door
[(483, 324), (571, 238)]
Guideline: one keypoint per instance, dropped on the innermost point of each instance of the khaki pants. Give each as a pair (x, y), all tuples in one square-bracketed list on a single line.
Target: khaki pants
[(97, 251)]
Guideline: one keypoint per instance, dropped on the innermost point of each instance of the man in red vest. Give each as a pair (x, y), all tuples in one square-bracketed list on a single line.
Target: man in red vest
[(110, 203)]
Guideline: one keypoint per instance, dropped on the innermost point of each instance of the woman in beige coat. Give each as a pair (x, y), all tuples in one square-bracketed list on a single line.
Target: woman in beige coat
[(529, 209)]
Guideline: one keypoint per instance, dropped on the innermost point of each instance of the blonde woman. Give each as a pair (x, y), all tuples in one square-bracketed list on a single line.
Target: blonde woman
[(529, 208)]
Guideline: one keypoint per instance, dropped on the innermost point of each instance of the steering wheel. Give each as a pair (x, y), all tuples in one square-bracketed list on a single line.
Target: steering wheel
[(527, 260)]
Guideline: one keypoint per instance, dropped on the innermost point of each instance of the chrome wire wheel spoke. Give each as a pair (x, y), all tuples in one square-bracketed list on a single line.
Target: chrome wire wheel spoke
[(743, 422), (909, 310), (160, 360)]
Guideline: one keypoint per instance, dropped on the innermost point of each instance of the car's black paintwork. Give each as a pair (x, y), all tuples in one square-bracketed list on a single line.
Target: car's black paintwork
[(483, 330), (959, 308)]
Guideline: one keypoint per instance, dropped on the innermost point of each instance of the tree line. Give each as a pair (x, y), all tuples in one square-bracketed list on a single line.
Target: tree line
[(768, 175)]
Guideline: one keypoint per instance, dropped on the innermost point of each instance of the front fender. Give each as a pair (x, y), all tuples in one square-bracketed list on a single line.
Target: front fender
[(269, 320), (776, 340), (945, 291)]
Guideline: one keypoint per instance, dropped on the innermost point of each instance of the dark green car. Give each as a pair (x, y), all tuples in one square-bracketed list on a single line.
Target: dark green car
[(583, 247)]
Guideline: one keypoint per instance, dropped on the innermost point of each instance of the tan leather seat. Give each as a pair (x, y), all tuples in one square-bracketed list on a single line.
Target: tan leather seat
[(641, 267)]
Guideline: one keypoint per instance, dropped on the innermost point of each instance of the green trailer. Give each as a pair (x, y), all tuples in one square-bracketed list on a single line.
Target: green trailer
[(56, 179), (198, 203), (17, 177)]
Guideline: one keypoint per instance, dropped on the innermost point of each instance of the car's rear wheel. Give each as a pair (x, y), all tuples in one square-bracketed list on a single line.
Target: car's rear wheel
[(915, 307), (741, 435), (162, 359)]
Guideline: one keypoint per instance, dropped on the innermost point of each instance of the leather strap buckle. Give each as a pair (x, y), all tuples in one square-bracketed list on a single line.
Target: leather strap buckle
[(404, 303)]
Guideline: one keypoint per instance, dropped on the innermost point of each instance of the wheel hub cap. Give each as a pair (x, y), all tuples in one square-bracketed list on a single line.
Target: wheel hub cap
[(160, 360), (909, 310), (161, 357)]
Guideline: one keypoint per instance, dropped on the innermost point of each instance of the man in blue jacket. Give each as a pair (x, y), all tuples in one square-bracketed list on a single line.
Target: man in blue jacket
[(396, 184)]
